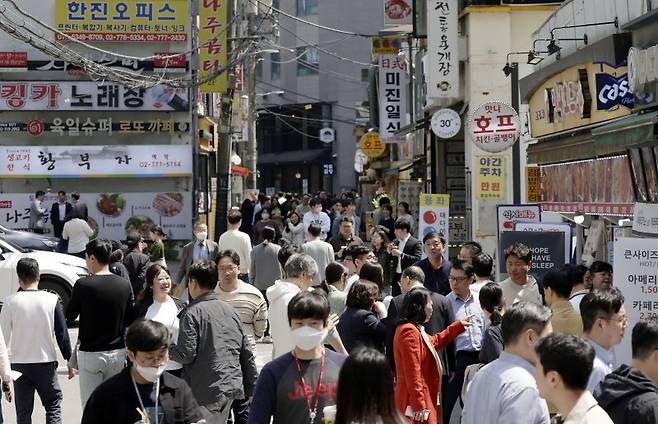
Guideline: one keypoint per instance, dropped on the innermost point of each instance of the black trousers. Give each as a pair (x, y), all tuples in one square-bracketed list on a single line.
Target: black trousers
[(42, 378), (240, 410), (395, 285), (463, 359)]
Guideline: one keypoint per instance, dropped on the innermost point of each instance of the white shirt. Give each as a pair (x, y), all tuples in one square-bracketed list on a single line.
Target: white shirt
[(62, 211), (240, 243), (350, 282), (513, 293), (575, 299), (321, 219), (587, 411), (166, 313), (401, 247), (77, 232)]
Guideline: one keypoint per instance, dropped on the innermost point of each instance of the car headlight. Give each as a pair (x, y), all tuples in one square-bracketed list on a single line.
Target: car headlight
[(49, 243), (81, 272)]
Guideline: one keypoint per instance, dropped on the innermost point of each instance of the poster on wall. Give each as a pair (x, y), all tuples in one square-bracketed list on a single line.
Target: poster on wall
[(560, 227), (509, 214), (433, 216), (636, 275), (112, 215), (547, 251)]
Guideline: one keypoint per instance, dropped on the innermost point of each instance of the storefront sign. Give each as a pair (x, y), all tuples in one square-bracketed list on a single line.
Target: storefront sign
[(213, 48), (446, 123), (442, 50), (533, 184), (89, 95), (645, 218), (88, 126), (636, 275), (434, 211), (123, 21), (642, 68), (612, 209), (458, 231), (510, 214), (564, 101), (547, 250), (386, 45), (612, 91), (494, 127), (168, 63), (111, 215), (490, 177), (393, 86), (95, 161), (559, 227), (13, 61), (371, 145), (398, 12)]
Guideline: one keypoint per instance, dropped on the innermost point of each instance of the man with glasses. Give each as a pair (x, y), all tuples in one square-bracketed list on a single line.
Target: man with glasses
[(355, 258), (604, 323), (435, 266)]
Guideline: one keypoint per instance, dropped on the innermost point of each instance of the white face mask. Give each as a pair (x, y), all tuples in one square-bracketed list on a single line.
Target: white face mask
[(307, 338), (201, 236), (150, 373)]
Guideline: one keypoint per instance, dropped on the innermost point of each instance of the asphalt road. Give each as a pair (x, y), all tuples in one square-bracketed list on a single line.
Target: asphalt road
[(71, 409)]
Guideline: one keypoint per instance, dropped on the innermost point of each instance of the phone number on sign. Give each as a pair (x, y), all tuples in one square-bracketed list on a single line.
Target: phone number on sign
[(127, 37)]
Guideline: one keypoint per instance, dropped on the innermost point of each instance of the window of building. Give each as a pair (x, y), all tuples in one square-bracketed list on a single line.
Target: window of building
[(307, 7), (308, 62), (275, 66), (259, 70), (365, 74)]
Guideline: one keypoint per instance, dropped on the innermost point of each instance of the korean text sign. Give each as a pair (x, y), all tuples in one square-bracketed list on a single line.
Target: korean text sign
[(95, 161), (494, 126), (88, 126), (392, 97), (212, 39), (636, 275), (123, 20), (434, 211), (442, 49), (88, 95), (490, 178)]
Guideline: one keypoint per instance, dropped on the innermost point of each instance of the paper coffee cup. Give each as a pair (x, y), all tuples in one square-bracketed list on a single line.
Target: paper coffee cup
[(329, 413)]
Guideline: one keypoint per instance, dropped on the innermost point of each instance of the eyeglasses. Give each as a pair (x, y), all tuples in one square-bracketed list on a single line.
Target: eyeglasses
[(433, 245), (227, 268), (620, 320), (457, 279)]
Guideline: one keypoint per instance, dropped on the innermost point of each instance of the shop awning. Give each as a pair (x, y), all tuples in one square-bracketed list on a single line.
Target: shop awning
[(562, 150), (299, 156), (631, 131)]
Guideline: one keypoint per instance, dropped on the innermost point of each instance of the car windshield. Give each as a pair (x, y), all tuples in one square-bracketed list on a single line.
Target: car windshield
[(9, 246)]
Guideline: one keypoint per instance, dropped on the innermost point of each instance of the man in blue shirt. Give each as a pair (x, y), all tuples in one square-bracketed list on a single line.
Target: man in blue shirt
[(505, 391), (468, 343), (435, 267)]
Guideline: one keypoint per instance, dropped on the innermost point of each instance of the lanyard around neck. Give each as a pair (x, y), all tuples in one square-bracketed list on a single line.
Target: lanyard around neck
[(314, 410), (145, 418)]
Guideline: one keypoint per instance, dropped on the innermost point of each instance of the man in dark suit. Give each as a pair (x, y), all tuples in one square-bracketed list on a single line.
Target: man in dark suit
[(199, 249), (58, 213), (406, 251), (79, 206), (442, 316)]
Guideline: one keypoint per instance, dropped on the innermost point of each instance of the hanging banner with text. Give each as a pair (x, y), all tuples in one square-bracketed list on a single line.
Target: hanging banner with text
[(111, 215), (122, 21), (91, 126), (533, 184), (442, 51), (509, 214), (636, 275), (434, 211), (392, 97), (490, 177), (547, 251), (169, 160), (212, 42)]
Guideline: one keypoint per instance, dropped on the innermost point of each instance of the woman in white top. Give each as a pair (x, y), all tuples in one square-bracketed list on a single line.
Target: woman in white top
[(156, 304), (77, 232)]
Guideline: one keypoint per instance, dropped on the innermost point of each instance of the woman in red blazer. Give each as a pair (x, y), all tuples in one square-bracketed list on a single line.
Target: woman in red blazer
[(417, 364)]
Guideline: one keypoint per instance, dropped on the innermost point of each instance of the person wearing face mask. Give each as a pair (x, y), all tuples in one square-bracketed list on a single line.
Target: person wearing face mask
[(144, 392), (297, 386), (265, 221), (198, 249), (213, 347)]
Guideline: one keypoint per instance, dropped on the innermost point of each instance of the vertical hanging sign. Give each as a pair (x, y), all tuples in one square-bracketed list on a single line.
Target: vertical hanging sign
[(442, 54), (392, 97), (212, 46)]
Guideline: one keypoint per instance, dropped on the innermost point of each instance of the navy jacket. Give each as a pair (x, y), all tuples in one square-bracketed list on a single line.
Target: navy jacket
[(361, 327)]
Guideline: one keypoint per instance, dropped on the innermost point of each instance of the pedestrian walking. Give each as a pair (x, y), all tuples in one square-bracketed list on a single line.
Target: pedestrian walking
[(265, 266), (404, 212), (520, 286), (32, 320), (77, 232), (38, 213), (80, 207), (5, 369), (334, 286), (317, 216), (237, 241), (319, 250), (493, 306), (599, 275), (104, 303), (294, 232), (201, 248), (557, 289), (156, 252), (405, 251), (355, 258), (361, 323), (482, 268), (136, 261), (577, 275), (116, 261), (469, 250), (58, 213), (380, 244), (344, 238)]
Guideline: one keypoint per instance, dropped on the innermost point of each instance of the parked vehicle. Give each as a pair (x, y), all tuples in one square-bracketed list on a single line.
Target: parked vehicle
[(29, 240)]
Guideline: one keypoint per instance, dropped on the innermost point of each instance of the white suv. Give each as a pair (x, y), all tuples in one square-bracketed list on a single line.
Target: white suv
[(59, 272)]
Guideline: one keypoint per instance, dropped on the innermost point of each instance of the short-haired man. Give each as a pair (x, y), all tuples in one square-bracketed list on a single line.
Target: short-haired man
[(565, 362), (406, 250), (213, 347), (599, 275), (505, 390), (345, 237), (482, 268), (237, 241), (355, 258), (299, 384), (29, 319), (469, 343), (251, 307), (520, 285), (435, 266), (557, 288), (577, 274), (630, 394), (469, 250), (349, 212), (604, 324), (59, 212), (78, 206), (136, 262), (37, 213), (319, 250), (201, 248), (144, 392), (317, 216), (104, 302)]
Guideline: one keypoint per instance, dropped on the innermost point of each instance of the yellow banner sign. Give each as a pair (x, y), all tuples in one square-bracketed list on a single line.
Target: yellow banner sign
[(212, 42), (533, 184), (372, 145), (122, 21), (490, 177)]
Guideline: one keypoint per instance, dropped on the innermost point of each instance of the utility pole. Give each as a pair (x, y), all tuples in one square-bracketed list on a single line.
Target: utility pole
[(251, 153), (194, 108)]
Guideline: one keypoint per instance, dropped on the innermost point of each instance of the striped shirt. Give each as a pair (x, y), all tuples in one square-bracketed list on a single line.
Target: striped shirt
[(250, 306)]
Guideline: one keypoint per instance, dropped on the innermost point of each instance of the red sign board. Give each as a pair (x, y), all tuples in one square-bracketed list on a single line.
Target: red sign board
[(13, 61), (170, 62), (238, 77)]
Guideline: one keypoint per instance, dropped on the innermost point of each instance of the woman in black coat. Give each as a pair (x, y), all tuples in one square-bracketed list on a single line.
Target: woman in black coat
[(361, 324)]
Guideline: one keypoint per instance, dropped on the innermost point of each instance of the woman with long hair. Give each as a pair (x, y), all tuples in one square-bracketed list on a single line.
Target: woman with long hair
[(293, 232), (380, 242), (365, 390), (361, 324), (157, 304), (156, 252), (373, 272), (492, 303), (417, 364)]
